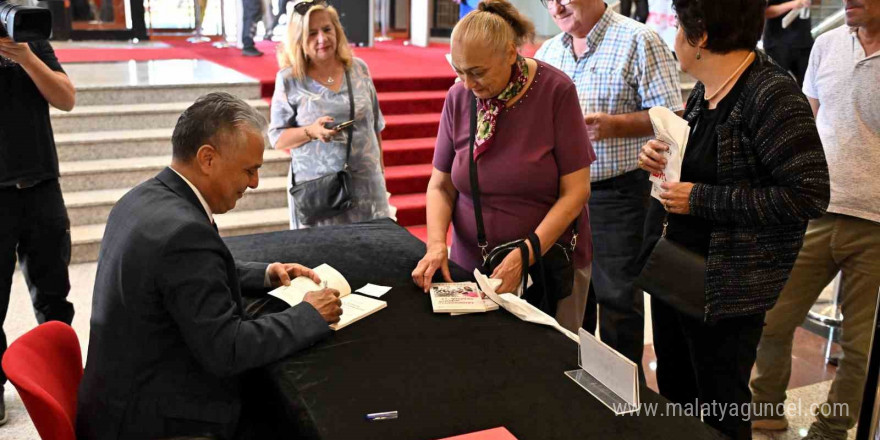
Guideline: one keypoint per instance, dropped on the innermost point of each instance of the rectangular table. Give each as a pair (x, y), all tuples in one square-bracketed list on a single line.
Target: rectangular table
[(445, 375)]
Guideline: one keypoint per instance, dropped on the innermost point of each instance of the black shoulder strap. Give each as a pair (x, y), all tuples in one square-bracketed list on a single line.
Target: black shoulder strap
[(349, 130), (539, 262), (475, 191), (475, 183), (524, 273)]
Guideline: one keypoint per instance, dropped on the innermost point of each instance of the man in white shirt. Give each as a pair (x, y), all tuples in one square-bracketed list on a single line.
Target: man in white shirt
[(842, 86)]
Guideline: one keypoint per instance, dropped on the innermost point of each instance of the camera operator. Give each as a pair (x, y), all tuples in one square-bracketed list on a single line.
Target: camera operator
[(33, 219)]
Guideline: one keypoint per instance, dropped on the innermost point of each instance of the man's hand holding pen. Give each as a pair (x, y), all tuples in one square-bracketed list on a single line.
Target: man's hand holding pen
[(326, 301)]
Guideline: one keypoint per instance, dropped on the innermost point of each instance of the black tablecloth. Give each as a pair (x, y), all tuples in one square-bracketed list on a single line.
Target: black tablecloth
[(445, 375)]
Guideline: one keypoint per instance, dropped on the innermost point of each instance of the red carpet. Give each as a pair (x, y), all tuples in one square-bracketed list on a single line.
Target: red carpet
[(408, 151), (394, 67), (411, 81), (397, 103)]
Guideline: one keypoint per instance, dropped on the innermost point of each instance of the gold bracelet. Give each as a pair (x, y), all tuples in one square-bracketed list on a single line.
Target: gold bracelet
[(306, 130)]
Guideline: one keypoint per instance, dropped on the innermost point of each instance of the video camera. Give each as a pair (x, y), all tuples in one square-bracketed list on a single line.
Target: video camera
[(24, 23)]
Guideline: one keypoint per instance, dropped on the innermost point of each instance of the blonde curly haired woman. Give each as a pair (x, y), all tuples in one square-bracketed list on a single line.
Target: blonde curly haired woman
[(313, 94)]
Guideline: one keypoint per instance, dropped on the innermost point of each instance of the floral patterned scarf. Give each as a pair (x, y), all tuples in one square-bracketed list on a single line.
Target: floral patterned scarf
[(488, 110)]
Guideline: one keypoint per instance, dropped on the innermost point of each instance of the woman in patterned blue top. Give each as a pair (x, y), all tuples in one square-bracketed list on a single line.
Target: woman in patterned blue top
[(311, 91)]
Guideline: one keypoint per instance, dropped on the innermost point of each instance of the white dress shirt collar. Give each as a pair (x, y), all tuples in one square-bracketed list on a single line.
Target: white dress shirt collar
[(198, 194)]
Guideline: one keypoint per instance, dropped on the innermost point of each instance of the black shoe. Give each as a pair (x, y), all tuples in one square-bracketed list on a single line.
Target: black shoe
[(817, 433), (3, 416), (251, 52)]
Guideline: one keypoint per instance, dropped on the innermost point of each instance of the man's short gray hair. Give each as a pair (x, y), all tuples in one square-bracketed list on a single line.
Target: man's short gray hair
[(213, 119)]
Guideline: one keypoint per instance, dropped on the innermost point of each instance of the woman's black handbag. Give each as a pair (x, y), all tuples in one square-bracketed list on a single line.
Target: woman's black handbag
[(677, 276), (329, 195), (552, 273)]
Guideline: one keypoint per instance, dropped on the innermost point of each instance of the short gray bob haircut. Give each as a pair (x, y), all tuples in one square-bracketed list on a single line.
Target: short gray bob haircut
[(213, 119)]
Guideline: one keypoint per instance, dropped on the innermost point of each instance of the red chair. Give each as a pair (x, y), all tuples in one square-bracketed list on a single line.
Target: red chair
[(45, 365)]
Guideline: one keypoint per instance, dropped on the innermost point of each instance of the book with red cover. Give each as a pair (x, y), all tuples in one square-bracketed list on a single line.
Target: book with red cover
[(499, 433)]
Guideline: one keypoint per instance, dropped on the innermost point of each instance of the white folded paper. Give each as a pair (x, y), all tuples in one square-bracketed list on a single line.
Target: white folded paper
[(373, 290), (519, 307), (674, 131)]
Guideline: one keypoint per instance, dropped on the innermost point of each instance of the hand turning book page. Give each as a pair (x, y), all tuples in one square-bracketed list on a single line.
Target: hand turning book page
[(674, 131), (354, 307)]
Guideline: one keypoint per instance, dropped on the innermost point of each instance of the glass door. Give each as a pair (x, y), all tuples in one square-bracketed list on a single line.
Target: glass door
[(101, 19), (445, 18)]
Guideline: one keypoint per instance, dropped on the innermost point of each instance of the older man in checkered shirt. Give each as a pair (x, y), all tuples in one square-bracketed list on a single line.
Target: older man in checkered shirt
[(621, 69)]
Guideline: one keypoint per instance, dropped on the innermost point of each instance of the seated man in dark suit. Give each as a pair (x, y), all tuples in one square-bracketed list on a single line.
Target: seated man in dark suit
[(169, 336)]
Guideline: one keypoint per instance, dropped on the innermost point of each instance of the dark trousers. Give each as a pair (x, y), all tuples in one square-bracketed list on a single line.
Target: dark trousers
[(282, 9), (34, 223), (641, 9), (252, 13), (699, 362), (80, 10), (618, 207), (795, 60)]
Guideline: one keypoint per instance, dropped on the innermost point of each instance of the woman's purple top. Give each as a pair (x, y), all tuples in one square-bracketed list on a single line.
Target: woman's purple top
[(537, 140)]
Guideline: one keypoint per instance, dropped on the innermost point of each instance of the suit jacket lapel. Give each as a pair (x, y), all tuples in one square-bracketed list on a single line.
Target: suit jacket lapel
[(170, 179)]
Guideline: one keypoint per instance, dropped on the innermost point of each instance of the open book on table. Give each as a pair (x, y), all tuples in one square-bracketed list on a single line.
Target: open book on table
[(354, 307)]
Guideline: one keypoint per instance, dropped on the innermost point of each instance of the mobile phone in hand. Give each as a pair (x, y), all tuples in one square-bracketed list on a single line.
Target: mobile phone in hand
[(339, 126)]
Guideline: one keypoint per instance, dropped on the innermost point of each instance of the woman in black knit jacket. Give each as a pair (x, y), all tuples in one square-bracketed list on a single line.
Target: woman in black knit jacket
[(753, 174)]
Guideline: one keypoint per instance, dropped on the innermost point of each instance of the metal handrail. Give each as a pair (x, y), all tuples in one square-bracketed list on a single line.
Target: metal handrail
[(834, 20)]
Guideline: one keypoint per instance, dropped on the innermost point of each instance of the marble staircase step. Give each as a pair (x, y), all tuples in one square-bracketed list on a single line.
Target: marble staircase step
[(128, 172), (155, 81), (88, 118), (127, 95), (99, 145), (86, 239), (122, 144), (93, 207)]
